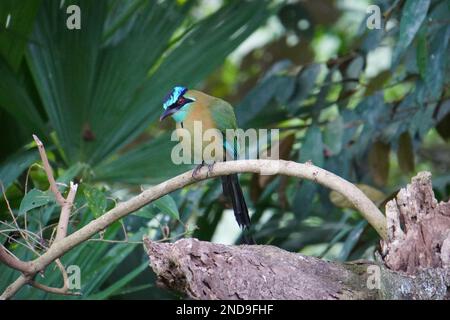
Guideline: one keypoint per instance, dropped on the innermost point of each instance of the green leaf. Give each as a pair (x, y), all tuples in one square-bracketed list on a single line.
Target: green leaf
[(107, 261), (117, 114), (311, 150), (118, 285), (71, 173), (96, 200), (285, 89), (168, 206), (15, 100), (372, 38), (421, 121), (352, 240), (119, 17), (303, 199), (33, 199), (256, 101), (64, 66), (312, 147), (422, 53), (353, 71), (20, 17), (306, 80), (340, 234), (321, 97), (333, 135), (146, 212), (413, 14), (13, 166), (436, 68), (371, 110), (47, 213), (149, 163), (134, 289)]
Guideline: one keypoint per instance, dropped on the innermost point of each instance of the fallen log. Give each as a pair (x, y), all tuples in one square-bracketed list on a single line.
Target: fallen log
[(413, 263)]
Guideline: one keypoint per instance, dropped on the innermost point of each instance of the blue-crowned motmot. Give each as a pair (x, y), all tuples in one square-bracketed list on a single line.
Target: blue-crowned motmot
[(189, 106)]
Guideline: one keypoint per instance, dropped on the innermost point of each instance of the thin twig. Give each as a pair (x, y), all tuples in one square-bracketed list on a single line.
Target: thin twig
[(124, 229), (64, 290), (75, 212), (25, 224), (12, 261), (64, 274), (12, 289), (25, 245), (22, 234), (28, 174), (48, 170), (60, 291), (33, 236), (65, 213), (114, 241)]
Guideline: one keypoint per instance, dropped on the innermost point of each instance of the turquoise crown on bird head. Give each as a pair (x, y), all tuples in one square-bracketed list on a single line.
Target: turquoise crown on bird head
[(174, 102), (173, 96)]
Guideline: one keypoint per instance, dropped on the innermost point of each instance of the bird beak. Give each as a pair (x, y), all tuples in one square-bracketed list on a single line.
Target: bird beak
[(167, 113)]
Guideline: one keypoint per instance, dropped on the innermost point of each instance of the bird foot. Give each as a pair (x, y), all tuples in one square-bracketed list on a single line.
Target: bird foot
[(200, 166), (210, 168), (197, 169)]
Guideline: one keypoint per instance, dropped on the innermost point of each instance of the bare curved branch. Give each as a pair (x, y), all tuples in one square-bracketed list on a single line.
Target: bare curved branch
[(288, 168)]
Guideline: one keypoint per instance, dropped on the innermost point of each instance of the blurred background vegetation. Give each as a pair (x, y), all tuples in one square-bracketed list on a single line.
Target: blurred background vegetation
[(371, 105)]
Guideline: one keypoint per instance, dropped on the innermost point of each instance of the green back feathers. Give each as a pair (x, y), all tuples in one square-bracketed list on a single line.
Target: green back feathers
[(224, 118), (223, 115)]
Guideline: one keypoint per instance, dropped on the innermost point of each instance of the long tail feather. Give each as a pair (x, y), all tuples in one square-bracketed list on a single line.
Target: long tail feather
[(248, 238), (232, 190)]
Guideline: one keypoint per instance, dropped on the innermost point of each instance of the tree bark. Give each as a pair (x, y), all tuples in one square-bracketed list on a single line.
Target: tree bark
[(409, 266), (418, 228)]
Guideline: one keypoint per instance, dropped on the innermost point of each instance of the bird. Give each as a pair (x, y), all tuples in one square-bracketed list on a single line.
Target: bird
[(187, 106)]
